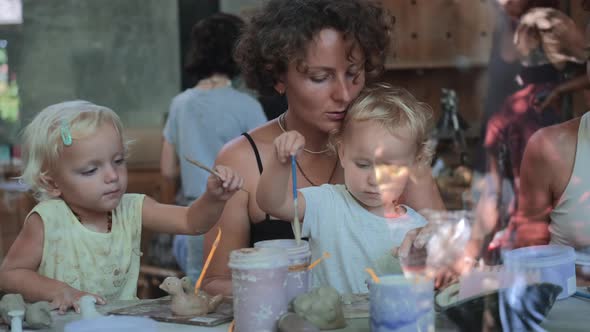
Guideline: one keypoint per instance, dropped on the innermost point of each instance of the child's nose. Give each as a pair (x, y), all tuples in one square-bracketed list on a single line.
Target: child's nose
[(372, 180), (111, 175)]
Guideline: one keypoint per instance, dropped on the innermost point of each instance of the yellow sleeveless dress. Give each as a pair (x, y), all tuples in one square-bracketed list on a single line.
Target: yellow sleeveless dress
[(106, 264)]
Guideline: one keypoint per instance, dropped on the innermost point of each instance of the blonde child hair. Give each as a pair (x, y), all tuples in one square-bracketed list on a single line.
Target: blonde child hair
[(45, 137), (393, 108)]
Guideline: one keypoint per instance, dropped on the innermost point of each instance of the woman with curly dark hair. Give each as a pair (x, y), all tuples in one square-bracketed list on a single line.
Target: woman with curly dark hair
[(203, 118), (319, 53)]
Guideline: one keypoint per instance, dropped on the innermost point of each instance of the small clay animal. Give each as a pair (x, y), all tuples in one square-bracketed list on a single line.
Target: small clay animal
[(292, 322), (187, 285), (183, 304), (9, 303), (36, 315), (322, 307), (16, 320)]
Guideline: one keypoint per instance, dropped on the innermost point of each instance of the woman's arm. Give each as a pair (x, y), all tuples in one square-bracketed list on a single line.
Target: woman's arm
[(235, 234), (234, 221), (535, 198), (574, 84)]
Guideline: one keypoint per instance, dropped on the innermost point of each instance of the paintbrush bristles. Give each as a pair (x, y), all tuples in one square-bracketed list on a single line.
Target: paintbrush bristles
[(317, 261), (296, 223), (208, 261), (373, 275)]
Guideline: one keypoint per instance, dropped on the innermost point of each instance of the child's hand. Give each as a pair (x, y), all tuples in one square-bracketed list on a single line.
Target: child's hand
[(68, 297), (224, 188), (289, 144)]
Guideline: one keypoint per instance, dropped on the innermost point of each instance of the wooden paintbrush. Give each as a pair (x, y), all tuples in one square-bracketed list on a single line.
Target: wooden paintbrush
[(296, 223), (208, 169)]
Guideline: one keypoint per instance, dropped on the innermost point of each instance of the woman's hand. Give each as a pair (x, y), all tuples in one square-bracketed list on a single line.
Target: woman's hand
[(224, 186), (68, 297), (289, 144), (551, 100), (415, 239)]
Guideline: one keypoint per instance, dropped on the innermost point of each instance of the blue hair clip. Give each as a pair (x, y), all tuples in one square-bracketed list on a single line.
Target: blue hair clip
[(66, 135)]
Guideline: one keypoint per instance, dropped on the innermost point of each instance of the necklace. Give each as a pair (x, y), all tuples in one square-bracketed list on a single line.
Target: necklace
[(283, 127), (109, 219), (311, 182)]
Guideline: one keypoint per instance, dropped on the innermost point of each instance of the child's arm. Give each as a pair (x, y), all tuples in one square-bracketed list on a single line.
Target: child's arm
[(18, 272), (275, 194), (200, 216)]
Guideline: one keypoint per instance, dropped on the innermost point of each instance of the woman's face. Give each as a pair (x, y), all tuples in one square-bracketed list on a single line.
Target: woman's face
[(321, 86)]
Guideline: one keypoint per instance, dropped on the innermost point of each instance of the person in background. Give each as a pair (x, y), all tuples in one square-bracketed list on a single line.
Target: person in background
[(203, 118), (319, 53), (552, 205), (83, 237), (553, 199), (537, 39), (541, 81)]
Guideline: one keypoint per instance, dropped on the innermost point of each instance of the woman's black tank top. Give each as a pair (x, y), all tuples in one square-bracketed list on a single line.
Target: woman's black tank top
[(269, 229)]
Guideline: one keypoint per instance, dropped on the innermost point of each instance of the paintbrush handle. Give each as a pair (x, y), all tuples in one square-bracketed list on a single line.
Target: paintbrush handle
[(296, 223), (294, 175), (202, 166), (208, 169)]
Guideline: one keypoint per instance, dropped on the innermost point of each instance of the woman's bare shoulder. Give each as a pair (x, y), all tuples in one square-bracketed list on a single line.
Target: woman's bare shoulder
[(560, 135), (239, 149), (552, 149)]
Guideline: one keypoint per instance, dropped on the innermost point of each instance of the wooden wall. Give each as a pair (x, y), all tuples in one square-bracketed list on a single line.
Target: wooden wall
[(440, 33), (442, 44), (426, 84), (446, 44)]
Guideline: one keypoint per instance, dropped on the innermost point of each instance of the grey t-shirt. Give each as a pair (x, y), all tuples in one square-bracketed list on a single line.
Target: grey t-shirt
[(200, 122), (336, 223)]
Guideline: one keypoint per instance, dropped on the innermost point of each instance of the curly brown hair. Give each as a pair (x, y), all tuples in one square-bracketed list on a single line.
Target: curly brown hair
[(282, 29)]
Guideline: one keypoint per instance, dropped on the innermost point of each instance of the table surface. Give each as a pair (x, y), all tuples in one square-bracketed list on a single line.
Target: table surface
[(566, 315)]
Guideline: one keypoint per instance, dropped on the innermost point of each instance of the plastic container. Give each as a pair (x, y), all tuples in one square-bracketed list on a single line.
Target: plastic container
[(299, 258), (400, 304), (554, 263), (583, 263), (259, 281)]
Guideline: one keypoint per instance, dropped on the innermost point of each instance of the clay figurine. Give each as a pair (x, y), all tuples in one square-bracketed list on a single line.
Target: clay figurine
[(88, 307), (187, 285), (9, 303), (16, 320), (292, 322), (322, 307), (189, 305), (38, 315)]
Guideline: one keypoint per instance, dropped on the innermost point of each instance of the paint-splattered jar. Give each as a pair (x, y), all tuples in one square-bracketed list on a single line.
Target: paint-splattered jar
[(259, 279), (299, 259)]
